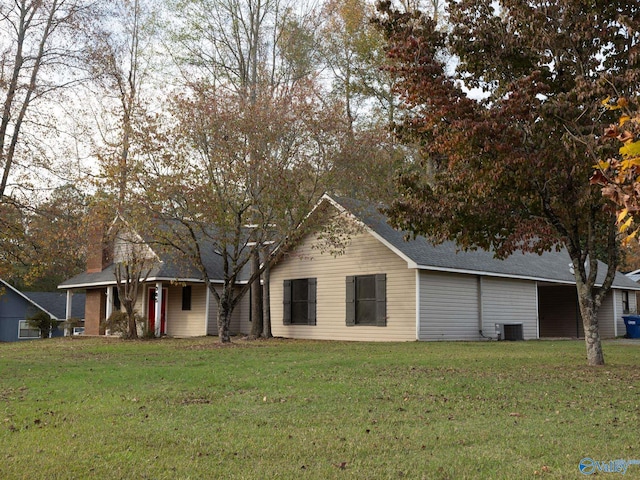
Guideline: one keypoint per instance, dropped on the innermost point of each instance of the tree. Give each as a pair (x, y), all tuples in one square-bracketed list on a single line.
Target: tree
[(42, 53), (618, 174), (511, 172), (259, 52), (205, 196), (124, 62), (134, 263), (352, 48), (42, 245)]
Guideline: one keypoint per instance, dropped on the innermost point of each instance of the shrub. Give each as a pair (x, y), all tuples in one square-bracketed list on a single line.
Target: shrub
[(118, 323), (43, 322)]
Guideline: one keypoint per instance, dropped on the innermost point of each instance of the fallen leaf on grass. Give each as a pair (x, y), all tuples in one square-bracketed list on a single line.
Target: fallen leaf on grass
[(341, 465), (515, 414)]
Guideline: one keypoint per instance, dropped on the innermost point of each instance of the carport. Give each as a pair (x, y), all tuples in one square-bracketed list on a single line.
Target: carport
[(558, 312)]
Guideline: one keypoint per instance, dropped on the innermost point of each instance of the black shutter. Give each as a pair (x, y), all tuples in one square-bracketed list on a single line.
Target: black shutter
[(186, 297), (311, 318), (381, 300), (116, 299), (351, 300), (286, 299)]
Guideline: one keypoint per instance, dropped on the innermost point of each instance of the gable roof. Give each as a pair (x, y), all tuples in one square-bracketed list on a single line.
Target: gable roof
[(56, 303), (422, 254), (635, 275), (169, 267), (53, 304)]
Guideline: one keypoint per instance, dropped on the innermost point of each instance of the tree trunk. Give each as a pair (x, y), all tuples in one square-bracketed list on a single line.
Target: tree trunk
[(224, 314), (224, 320), (132, 326), (256, 298), (589, 313), (266, 332)]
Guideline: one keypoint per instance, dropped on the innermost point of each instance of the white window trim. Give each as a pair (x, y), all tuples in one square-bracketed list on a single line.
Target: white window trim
[(26, 327)]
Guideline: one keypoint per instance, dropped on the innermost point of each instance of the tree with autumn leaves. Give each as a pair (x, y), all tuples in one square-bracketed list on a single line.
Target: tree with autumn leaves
[(510, 171), (618, 174)]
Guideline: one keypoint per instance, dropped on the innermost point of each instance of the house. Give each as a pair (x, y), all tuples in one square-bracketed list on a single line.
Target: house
[(17, 306), (376, 285), (635, 276), (174, 298)]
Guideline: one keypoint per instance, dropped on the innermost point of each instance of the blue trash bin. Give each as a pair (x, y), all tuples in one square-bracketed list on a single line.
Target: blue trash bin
[(632, 322)]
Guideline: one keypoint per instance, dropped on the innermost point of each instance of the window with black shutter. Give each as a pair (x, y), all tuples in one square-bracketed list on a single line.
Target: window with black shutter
[(300, 301), (366, 300)]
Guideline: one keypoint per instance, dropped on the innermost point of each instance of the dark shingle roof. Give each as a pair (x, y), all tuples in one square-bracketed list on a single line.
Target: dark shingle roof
[(170, 267), (550, 266), (56, 303)]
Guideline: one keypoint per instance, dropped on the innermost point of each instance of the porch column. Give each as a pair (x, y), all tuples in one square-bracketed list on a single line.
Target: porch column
[(68, 309), (158, 319), (69, 304), (109, 309)]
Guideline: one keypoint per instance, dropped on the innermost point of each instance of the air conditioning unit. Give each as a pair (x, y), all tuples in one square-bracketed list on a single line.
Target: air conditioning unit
[(509, 331)]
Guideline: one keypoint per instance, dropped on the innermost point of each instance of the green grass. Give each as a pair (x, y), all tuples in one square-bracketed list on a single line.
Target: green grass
[(190, 409)]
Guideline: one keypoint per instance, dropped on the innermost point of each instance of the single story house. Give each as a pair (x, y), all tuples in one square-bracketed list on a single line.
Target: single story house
[(635, 276), (17, 306), (378, 285), (174, 298)]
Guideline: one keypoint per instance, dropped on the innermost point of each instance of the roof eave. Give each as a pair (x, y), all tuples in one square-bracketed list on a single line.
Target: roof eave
[(78, 286), (38, 306)]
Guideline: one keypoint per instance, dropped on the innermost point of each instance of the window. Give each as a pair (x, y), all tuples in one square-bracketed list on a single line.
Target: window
[(186, 297), (25, 331), (367, 300), (300, 301), (625, 302)]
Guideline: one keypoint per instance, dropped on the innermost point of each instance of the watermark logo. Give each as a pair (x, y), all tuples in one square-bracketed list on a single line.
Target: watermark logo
[(589, 466)]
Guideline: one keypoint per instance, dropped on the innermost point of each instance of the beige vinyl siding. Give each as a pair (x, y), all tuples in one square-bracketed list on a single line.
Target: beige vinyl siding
[(240, 324), (239, 318), (449, 306), (127, 246), (364, 255), (509, 301), (186, 323), (180, 323)]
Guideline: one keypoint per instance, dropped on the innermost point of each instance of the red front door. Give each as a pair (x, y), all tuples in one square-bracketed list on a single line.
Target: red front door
[(151, 311)]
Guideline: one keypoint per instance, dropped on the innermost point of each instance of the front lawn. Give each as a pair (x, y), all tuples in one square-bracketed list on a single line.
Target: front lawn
[(190, 409)]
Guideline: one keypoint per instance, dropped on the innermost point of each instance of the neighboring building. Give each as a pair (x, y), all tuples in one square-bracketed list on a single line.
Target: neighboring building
[(174, 299), (379, 286), (635, 277), (17, 306)]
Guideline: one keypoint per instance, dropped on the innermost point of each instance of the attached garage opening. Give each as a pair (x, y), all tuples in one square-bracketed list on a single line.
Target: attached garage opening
[(558, 312)]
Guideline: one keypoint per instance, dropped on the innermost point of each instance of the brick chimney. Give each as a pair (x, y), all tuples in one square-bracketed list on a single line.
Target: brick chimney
[(98, 247)]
